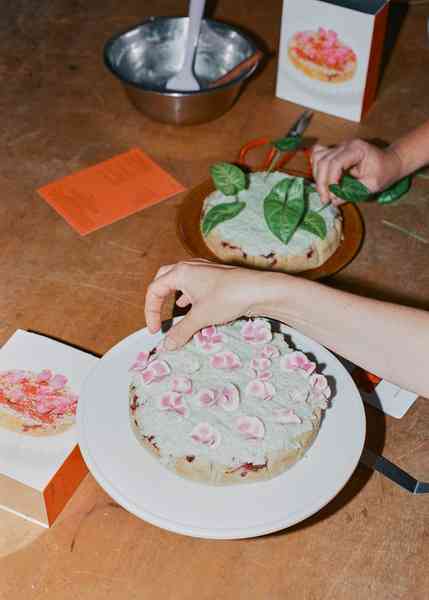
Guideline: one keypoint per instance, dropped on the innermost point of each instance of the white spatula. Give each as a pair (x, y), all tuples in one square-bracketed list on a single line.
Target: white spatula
[(185, 80)]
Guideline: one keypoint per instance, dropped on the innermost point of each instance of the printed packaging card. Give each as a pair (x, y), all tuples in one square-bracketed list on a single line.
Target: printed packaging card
[(330, 54), (40, 462), (109, 191), (387, 397)]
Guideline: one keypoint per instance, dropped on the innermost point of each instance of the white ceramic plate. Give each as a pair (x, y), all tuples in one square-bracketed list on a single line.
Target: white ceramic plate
[(142, 485)]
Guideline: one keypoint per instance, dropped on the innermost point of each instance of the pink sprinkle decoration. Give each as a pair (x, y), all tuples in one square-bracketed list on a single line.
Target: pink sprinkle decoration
[(225, 360), (286, 416), (155, 371), (181, 384), (260, 389), (251, 428), (174, 402), (205, 434), (209, 339), (270, 351), (256, 332), (207, 397), (44, 376), (297, 360)]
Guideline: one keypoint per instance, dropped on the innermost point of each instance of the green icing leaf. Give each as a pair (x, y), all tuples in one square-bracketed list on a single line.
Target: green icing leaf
[(284, 208), (220, 213), (395, 191), (228, 179), (287, 144), (350, 189), (314, 223)]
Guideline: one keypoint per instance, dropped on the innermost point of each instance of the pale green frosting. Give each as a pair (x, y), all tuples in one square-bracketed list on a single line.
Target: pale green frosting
[(172, 432), (248, 229)]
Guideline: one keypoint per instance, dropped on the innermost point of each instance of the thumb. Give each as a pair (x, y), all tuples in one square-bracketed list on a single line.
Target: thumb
[(180, 333)]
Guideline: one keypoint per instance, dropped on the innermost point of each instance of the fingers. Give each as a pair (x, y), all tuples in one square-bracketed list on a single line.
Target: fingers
[(330, 163), (157, 291), (180, 333)]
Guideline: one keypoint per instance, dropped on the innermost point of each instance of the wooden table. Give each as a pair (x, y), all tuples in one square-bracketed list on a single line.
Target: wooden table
[(62, 111)]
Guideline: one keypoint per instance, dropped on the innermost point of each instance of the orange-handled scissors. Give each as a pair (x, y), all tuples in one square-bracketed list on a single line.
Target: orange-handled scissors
[(296, 130)]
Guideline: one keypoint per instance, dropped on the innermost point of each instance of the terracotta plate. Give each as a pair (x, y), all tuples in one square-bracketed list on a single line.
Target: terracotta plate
[(188, 226)]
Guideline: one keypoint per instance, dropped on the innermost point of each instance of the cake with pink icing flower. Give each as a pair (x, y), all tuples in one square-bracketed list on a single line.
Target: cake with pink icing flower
[(36, 403), (322, 55), (235, 404)]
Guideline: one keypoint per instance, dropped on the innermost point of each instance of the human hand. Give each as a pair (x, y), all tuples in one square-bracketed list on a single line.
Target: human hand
[(376, 168), (218, 294)]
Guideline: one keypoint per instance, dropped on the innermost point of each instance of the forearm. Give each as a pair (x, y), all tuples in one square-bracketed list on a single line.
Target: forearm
[(389, 340), (413, 149)]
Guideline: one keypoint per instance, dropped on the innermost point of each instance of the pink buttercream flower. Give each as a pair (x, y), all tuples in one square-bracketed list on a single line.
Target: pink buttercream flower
[(251, 428), (260, 389), (286, 416), (205, 434), (142, 361), (225, 360), (209, 339), (173, 401), (320, 383), (270, 351), (256, 332), (155, 371), (229, 398), (297, 360), (181, 384), (260, 368), (207, 397)]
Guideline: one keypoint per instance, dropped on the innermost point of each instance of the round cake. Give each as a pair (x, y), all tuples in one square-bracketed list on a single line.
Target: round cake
[(36, 403), (322, 55), (235, 404), (246, 238)]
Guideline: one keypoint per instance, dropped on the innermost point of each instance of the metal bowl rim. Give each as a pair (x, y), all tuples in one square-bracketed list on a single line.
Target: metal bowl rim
[(174, 93)]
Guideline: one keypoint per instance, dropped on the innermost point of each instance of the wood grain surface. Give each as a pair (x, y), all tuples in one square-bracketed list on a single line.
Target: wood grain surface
[(62, 111)]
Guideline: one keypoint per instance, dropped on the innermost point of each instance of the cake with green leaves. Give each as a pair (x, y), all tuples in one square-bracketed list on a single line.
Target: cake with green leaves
[(268, 220)]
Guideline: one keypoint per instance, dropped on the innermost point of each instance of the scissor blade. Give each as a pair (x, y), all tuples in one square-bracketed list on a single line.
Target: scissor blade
[(301, 124)]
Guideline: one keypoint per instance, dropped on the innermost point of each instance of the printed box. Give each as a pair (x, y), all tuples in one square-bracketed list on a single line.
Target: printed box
[(387, 397), (40, 462), (330, 54)]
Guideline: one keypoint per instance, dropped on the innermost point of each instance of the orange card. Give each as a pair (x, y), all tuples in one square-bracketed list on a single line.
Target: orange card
[(109, 191)]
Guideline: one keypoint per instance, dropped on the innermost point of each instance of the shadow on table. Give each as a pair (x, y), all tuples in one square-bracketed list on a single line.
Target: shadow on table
[(374, 440), (395, 21)]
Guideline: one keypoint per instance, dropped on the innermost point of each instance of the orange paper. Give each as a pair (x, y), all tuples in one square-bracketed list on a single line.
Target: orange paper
[(109, 191)]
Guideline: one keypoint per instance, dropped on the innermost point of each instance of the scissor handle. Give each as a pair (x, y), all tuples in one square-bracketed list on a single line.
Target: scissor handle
[(280, 163), (244, 150), (287, 156)]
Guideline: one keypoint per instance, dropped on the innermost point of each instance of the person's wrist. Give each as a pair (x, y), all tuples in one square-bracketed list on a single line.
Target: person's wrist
[(397, 162), (269, 301)]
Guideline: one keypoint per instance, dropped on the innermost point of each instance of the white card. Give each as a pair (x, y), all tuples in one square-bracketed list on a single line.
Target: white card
[(29, 459)]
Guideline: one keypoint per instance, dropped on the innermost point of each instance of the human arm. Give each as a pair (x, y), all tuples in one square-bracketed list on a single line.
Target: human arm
[(388, 339), (375, 167)]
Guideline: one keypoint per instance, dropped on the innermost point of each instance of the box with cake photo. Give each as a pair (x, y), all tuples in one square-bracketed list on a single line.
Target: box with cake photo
[(40, 462), (330, 54)]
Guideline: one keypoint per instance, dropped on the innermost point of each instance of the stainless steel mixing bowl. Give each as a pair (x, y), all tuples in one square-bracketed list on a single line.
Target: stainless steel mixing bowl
[(147, 55)]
